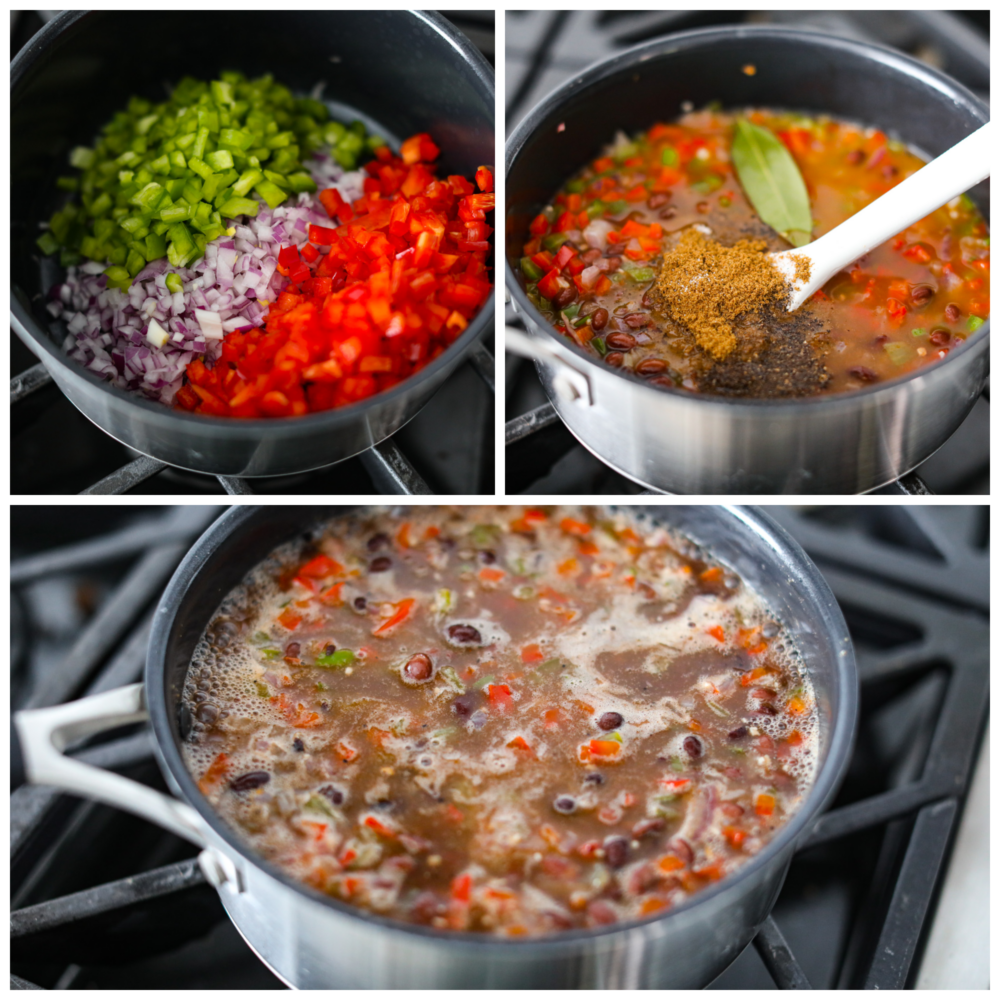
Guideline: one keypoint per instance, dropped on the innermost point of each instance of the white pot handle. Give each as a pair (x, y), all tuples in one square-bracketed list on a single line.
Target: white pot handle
[(571, 382), (45, 732)]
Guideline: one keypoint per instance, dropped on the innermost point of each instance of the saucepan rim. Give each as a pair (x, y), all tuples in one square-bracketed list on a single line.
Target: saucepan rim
[(775, 544), (37, 338), (640, 55)]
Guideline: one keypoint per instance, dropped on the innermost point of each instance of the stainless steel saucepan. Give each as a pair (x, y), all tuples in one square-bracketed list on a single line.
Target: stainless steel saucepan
[(680, 442), (313, 941), (401, 71)]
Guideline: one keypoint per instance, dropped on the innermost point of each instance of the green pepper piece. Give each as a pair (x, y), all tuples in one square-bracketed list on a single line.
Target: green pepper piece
[(156, 246), (668, 157), (531, 270), (173, 282), (341, 658), (118, 277), (553, 241), (638, 275), (221, 159), (300, 181), (974, 323), (47, 243), (246, 182), (234, 207), (134, 263), (82, 157), (271, 193)]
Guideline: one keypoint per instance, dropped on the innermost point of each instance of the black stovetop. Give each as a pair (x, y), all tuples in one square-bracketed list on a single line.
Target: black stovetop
[(102, 900), (545, 48)]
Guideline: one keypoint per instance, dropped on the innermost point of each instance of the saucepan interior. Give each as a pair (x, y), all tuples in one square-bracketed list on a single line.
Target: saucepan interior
[(660, 80), (744, 538), (400, 72)]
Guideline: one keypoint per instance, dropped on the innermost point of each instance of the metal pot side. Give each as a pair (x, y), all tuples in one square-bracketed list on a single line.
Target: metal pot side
[(70, 78), (677, 442), (313, 941)]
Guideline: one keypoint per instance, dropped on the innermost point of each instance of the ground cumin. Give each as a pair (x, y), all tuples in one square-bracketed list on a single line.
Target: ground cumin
[(705, 286)]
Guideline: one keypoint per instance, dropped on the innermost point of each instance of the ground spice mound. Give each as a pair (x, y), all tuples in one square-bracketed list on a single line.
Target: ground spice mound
[(705, 286), (779, 356)]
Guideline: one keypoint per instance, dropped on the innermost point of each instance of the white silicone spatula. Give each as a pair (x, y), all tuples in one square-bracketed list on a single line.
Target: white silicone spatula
[(951, 174)]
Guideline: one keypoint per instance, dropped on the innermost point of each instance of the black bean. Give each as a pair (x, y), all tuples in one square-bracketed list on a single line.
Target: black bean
[(564, 804), (594, 778), (488, 557), (590, 256), (668, 213), (620, 341), (863, 373), (940, 337), (335, 795), (419, 667), (766, 709), (614, 249), (952, 312), (377, 542), (738, 733), (613, 264), (616, 851), (664, 381), (855, 156), (292, 649), (615, 359), (464, 634), (658, 200), (464, 704), (564, 298), (692, 747), (636, 321), (379, 565), (610, 720), (329, 649), (647, 300), (921, 294), (360, 603), (298, 745), (247, 782), (651, 366), (648, 826), (599, 320)]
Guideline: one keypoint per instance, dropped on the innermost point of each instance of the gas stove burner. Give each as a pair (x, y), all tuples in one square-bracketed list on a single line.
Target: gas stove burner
[(874, 897)]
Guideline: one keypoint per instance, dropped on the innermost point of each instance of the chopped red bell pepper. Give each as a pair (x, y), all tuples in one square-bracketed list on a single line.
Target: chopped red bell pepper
[(404, 275), (403, 610)]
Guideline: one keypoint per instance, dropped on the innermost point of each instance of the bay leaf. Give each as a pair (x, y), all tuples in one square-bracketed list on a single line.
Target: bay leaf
[(771, 180)]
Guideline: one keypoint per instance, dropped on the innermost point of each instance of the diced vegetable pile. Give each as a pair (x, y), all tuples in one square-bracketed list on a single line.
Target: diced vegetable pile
[(195, 215)]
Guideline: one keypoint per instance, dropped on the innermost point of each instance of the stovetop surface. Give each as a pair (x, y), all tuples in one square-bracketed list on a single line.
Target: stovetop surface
[(913, 584)]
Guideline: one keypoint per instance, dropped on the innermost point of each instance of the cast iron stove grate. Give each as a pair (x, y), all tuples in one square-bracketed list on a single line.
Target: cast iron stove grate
[(545, 48), (101, 899), (55, 449)]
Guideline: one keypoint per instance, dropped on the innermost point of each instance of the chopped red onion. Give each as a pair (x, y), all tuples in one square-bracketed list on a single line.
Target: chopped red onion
[(233, 283)]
